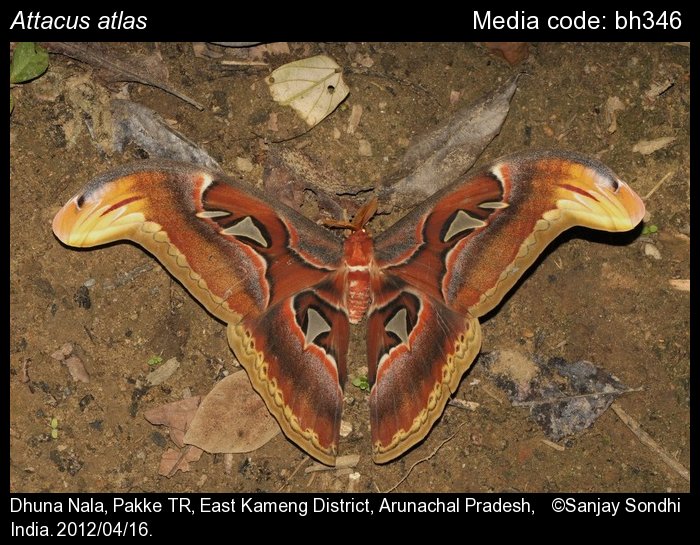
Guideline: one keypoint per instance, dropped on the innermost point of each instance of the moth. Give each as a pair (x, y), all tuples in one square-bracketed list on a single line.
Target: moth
[(288, 289)]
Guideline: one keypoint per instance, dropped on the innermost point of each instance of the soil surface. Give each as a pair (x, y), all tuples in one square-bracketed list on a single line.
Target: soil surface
[(605, 298)]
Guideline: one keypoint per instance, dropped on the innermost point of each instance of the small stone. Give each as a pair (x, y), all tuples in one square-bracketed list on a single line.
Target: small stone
[(353, 481), (365, 149), (345, 428), (244, 164), (77, 370), (63, 352), (652, 251), (163, 372)]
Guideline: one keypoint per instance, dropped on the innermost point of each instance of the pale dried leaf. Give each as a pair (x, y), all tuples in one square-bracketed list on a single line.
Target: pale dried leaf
[(313, 87), (163, 372), (436, 158), (647, 147), (176, 416), (137, 124), (232, 418)]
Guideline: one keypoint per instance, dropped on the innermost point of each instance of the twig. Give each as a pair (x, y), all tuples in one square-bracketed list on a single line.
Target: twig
[(181, 461), (553, 445), (244, 63), (428, 457), (657, 186), (646, 439), (25, 370), (466, 405), (296, 470), (120, 70), (125, 278)]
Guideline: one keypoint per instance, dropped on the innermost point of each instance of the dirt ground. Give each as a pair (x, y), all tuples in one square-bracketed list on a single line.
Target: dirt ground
[(607, 299)]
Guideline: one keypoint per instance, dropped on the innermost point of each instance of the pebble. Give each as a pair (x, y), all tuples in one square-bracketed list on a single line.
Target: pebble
[(345, 428), (365, 149), (652, 251), (244, 164), (163, 372)]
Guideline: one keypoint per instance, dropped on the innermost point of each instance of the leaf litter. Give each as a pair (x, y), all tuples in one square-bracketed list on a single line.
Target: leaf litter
[(313, 87), (564, 397), (176, 416), (232, 418)]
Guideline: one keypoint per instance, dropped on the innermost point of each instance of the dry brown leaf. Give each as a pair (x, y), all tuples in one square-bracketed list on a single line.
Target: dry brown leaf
[(232, 418), (176, 416), (513, 52), (258, 52), (647, 147), (202, 51), (173, 460)]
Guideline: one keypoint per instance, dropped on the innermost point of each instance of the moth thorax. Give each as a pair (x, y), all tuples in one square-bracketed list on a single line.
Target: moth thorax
[(358, 295), (359, 251)]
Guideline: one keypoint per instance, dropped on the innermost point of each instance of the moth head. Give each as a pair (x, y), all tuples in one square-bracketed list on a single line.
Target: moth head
[(105, 211), (590, 194)]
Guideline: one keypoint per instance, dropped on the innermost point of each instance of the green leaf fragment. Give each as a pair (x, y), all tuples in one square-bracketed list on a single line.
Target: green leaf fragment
[(361, 382), (29, 61), (155, 360)]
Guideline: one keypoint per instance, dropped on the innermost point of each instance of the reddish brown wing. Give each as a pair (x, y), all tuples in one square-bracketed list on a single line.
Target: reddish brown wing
[(262, 268), (453, 259)]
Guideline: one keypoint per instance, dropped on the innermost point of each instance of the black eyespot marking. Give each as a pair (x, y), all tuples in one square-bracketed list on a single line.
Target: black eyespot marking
[(80, 201)]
